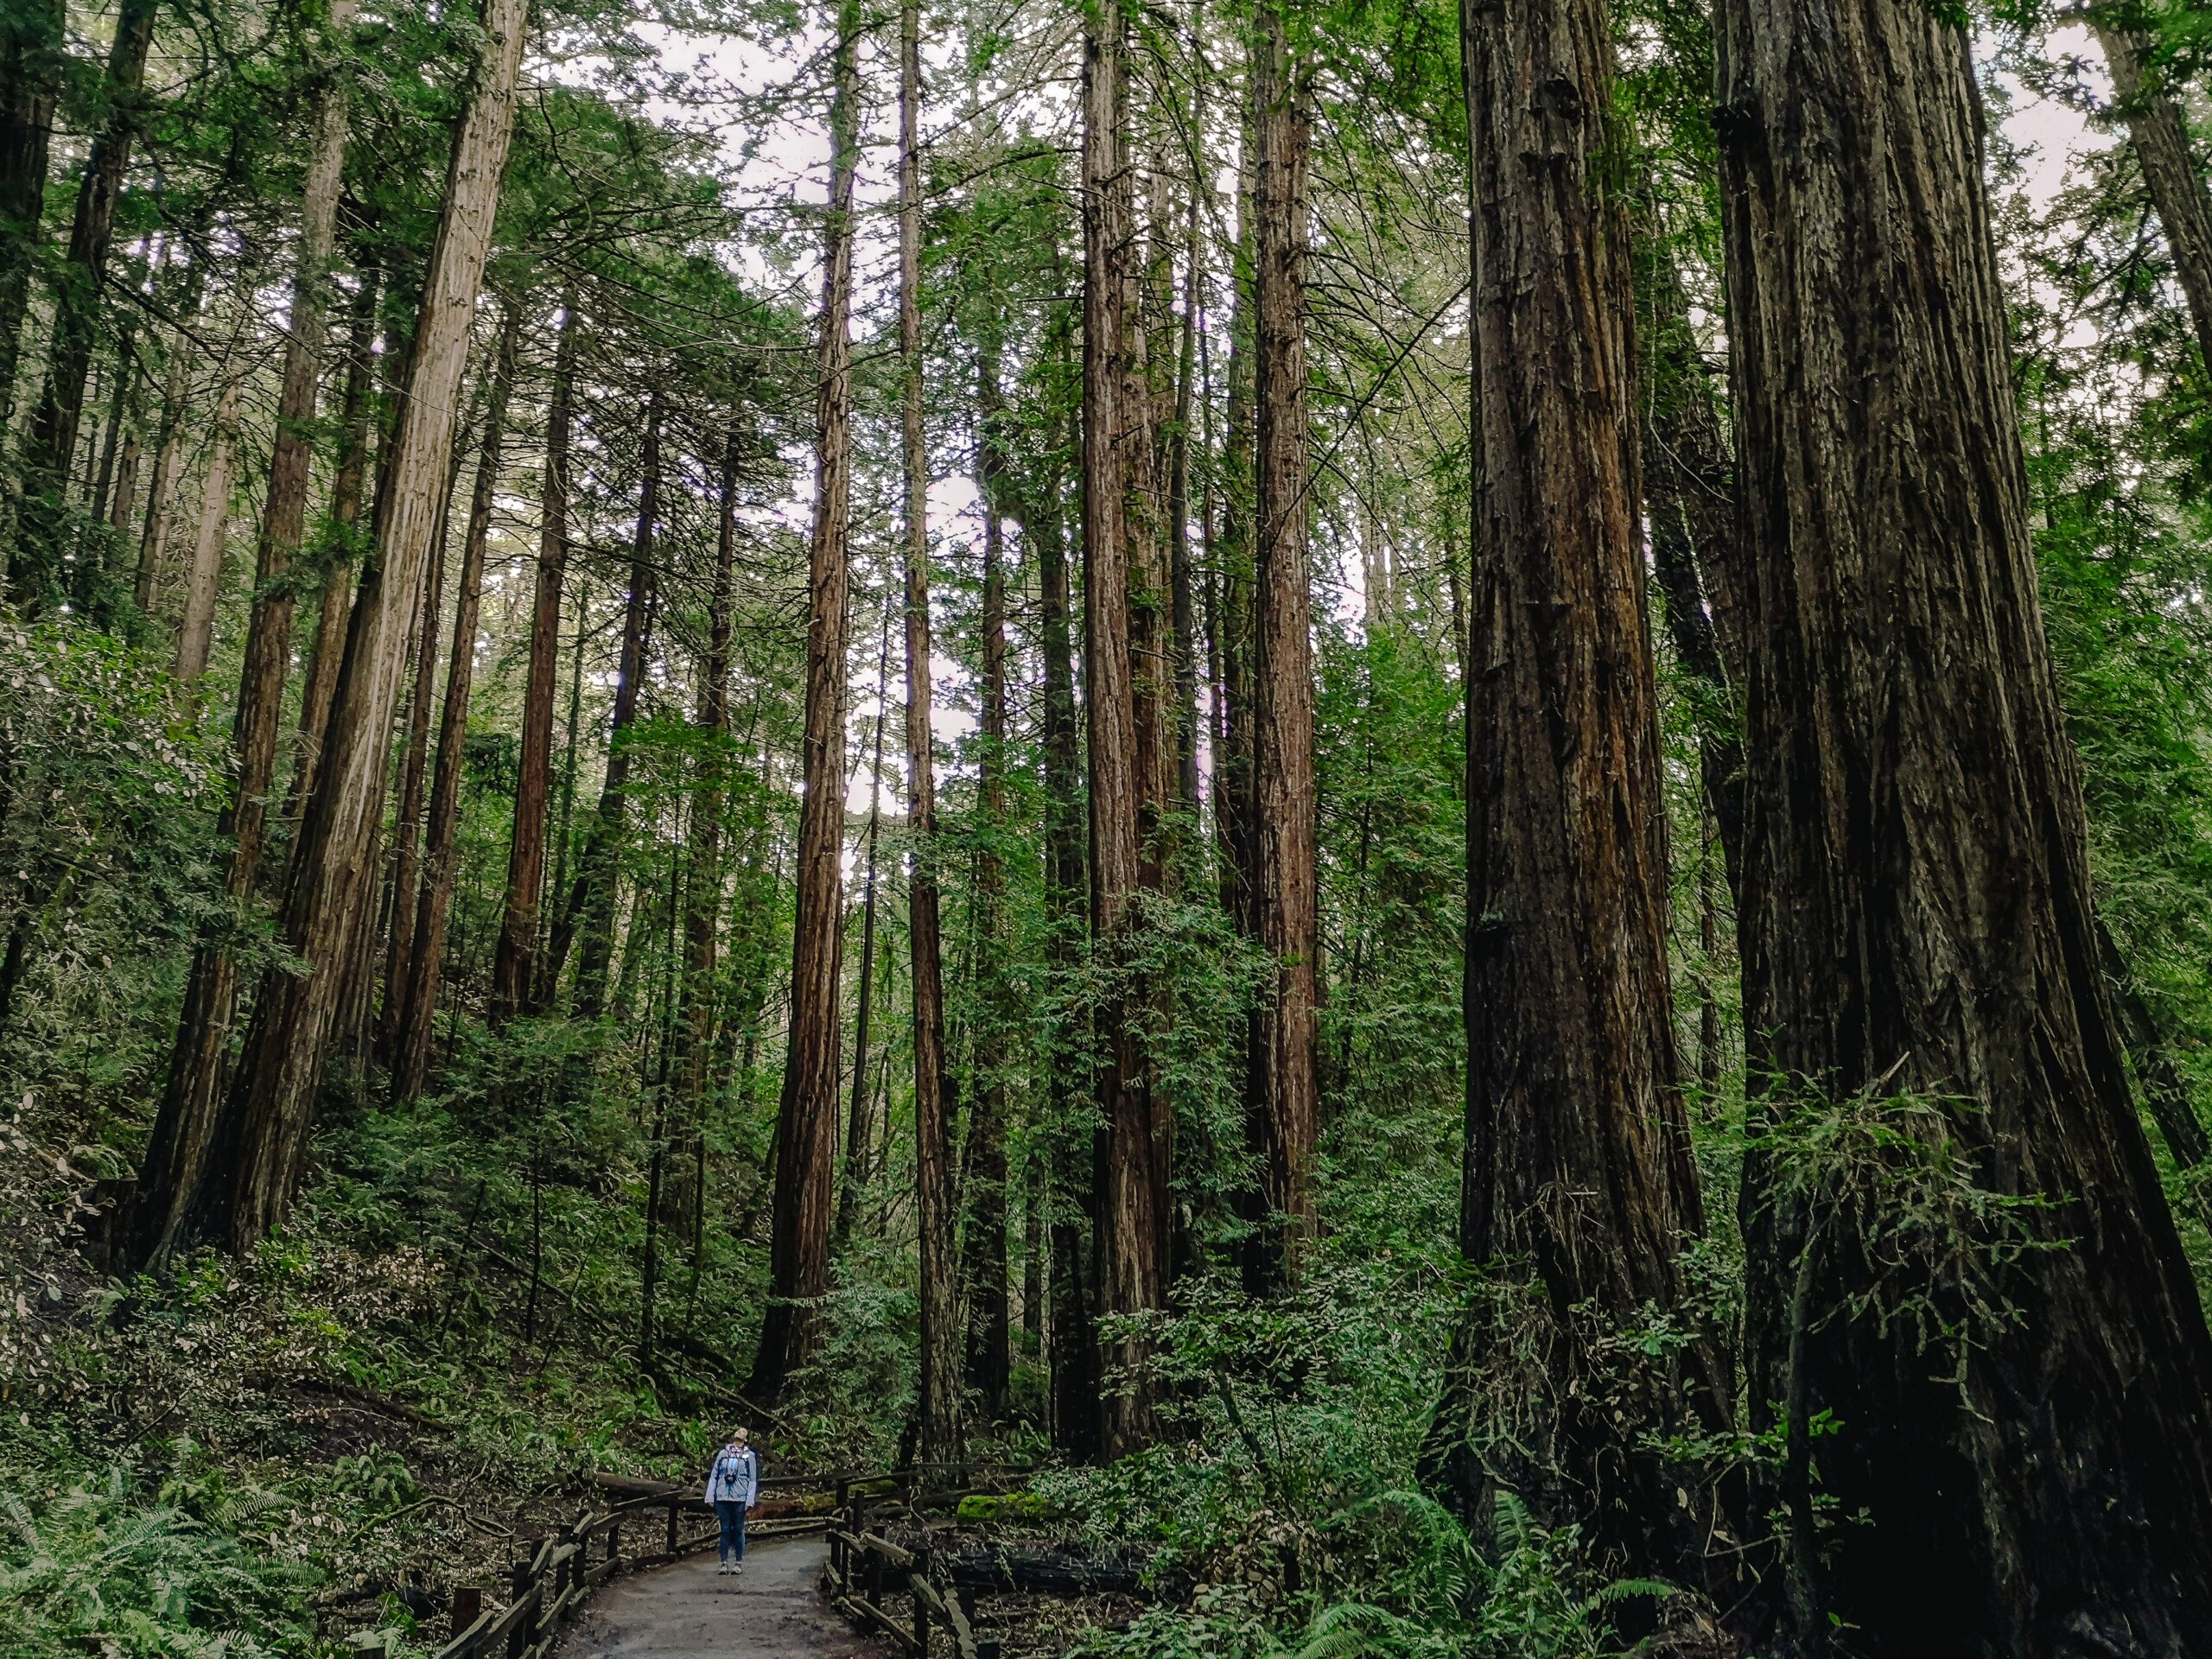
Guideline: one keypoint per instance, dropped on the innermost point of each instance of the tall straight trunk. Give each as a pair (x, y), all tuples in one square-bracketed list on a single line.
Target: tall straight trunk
[(1234, 823), (168, 443), (1132, 1220), (335, 605), (859, 1132), (119, 397), (989, 1356), (77, 306), (1182, 601), (123, 496), (1071, 1195), (806, 1120), (588, 914), (1281, 1083), (177, 1150), (1917, 919), (326, 908), (514, 967), (2158, 130), (195, 628), (416, 991), (415, 758), (935, 1098), (692, 1065), (32, 54), (1578, 1178)]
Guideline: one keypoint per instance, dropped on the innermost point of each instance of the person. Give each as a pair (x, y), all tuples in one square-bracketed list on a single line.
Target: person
[(733, 1486)]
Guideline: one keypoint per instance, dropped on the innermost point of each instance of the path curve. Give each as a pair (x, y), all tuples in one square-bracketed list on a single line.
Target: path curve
[(686, 1610)]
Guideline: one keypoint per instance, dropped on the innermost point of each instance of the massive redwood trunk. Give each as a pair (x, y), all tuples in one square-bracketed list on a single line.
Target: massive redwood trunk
[(2016, 1389), (31, 58), (325, 909), (588, 915), (1132, 1189), (1282, 1077), (939, 1427), (2157, 129), (806, 1124), (1578, 1185), (176, 1150), (513, 971), (416, 989), (36, 569)]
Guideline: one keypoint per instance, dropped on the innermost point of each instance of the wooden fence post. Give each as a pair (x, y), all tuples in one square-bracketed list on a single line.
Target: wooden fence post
[(467, 1606), (672, 1501)]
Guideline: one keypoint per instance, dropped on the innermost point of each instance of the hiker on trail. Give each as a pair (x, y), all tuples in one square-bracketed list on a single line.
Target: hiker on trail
[(733, 1485)]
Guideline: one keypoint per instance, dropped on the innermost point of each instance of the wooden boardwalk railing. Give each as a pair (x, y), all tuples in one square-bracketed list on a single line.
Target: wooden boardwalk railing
[(547, 1588)]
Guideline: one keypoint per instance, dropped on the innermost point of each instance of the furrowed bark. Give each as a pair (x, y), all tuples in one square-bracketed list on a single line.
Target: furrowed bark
[(417, 992), (1282, 1077), (195, 628), (1917, 919), (325, 909), (514, 967), (1578, 1183), (31, 60), (806, 1124), (183, 1128), (2157, 129), (940, 1428)]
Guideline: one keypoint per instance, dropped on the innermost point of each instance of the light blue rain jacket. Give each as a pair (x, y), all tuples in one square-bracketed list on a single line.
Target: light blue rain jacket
[(736, 1477)]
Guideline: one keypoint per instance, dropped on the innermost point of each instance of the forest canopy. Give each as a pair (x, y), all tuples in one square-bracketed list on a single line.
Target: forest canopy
[(1423, 796)]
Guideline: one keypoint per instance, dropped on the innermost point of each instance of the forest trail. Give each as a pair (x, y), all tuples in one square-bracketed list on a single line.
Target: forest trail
[(687, 1610)]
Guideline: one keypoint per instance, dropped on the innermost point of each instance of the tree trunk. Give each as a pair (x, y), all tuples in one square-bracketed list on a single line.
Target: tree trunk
[(588, 915), (195, 629), (326, 908), (859, 1131), (1578, 1185), (1132, 1191), (335, 606), (514, 967), (1182, 604), (176, 1150), (935, 1091), (32, 54), (417, 994), (169, 444), (989, 1356), (1282, 1084), (806, 1123), (2030, 1446), (2159, 130), (53, 443), (1071, 1195)]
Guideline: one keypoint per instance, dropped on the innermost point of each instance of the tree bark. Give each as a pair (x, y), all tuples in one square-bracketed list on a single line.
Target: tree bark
[(1071, 1194), (2159, 131), (935, 1091), (1917, 920), (859, 1130), (514, 967), (184, 1127), (1578, 1184), (31, 58), (417, 994), (1281, 1081), (588, 915), (336, 604), (806, 1124), (77, 308), (326, 908), (195, 630), (989, 1354), (1132, 1195)]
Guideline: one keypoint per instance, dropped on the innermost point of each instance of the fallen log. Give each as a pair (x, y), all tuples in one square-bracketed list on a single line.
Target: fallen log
[(1050, 1572)]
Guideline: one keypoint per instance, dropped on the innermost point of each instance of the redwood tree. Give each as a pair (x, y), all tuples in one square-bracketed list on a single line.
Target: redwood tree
[(2029, 1445)]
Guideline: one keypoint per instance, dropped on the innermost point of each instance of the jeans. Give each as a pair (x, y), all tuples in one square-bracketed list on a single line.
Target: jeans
[(732, 1516)]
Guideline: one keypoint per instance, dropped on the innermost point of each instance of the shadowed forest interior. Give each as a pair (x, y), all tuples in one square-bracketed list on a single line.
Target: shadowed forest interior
[(1422, 797)]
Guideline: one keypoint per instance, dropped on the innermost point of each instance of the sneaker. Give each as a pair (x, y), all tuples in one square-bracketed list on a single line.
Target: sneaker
[(739, 1569)]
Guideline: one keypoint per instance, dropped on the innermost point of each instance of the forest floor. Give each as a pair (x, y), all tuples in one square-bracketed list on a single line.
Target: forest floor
[(687, 1610)]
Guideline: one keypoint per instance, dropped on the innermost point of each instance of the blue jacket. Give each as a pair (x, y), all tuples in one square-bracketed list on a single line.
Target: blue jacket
[(734, 1477)]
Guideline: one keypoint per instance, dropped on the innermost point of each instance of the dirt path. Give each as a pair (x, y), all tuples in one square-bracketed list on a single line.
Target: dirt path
[(686, 1612)]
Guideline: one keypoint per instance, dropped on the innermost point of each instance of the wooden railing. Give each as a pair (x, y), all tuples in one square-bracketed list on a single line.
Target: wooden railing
[(547, 1588)]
